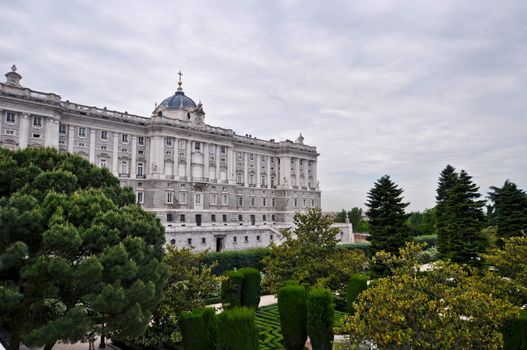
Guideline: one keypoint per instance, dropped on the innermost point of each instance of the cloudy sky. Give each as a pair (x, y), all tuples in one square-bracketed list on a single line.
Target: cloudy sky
[(380, 87)]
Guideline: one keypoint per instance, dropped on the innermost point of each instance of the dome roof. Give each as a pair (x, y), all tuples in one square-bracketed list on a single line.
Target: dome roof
[(178, 100)]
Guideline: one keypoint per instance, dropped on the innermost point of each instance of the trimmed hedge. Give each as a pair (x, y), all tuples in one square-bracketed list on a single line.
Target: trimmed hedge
[(231, 290), (250, 295), (199, 329), (320, 313), (357, 283), (237, 259), (293, 316), (515, 333), (237, 330)]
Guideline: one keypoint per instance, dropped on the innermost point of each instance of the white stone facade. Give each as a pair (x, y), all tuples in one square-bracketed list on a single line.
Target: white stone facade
[(211, 188)]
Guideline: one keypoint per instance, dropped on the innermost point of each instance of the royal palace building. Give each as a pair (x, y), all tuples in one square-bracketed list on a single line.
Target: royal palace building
[(211, 188)]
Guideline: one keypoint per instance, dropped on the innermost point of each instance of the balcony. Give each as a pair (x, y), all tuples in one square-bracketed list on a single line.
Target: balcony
[(200, 179), (263, 186), (252, 185), (124, 175), (140, 176)]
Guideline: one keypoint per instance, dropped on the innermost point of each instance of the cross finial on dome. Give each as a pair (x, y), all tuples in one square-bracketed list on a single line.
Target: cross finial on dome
[(180, 82), (13, 68)]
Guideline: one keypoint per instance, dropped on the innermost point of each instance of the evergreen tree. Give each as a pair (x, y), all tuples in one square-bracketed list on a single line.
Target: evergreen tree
[(387, 218), (510, 209), (355, 216), (447, 180), (463, 220)]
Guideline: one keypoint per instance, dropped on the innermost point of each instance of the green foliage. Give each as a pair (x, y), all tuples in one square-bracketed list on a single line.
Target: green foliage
[(250, 293), (237, 330), (230, 260), (362, 227), (71, 259), (354, 216), (293, 316), (357, 283), (510, 209), (320, 314), (363, 246), (190, 283), (430, 240), (448, 307), (232, 289), (387, 218), (311, 255), (515, 333), (199, 328), (423, 223)]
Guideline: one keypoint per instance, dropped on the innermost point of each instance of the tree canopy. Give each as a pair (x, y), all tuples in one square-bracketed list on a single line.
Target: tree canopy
[(76, 253), (310, 255), (509, 209)]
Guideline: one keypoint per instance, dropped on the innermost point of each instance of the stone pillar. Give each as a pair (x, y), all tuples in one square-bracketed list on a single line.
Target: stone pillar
[(258, 171), (115, 154), (52, 133), (218, 163), (314, 174), (285, 172), (71, 138), (245, 170), (206, 159), (297, 172), (189, 160), (231, 163), (133, 170), (23, 137), (92, 146), (306, 174), (268, 172), (176, 158)]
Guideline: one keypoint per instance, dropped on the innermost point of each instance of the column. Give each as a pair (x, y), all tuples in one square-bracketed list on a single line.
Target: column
[(314, 174), (115, 154), (24, 130), (268, 171), (52, 133), (218, 163), (306, 173), (71, 138), (92, 146), (133, 170), (245, 170), (257, 171), (285, 172), (176, 159), (188, 159), (206, 156), (297, 172), (231, 163)]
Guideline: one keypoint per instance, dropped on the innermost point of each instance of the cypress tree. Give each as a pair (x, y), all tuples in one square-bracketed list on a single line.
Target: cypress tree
[(387, 218), (510, 209), (447, 180), (463, 219)]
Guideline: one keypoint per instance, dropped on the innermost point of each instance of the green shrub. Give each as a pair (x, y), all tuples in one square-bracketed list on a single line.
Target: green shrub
[(320, 312), (515, 333), (250, 296), (364, 246), (357, 283), (236, 259), (199, 329), (237, 330), (430, 239), (293, 315), (232, 289)]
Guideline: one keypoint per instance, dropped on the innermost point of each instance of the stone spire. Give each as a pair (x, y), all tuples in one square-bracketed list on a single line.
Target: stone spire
[(13, 78)]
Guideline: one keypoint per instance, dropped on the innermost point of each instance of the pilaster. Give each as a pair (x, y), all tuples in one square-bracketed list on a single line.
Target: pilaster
[(206, 159), (23, 137), (71, 138), (245, 170), (133, 166), (92, 146), (115, 154)]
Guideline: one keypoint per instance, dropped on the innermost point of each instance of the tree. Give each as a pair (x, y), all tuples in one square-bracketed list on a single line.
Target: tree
[(362, 227), (341, 216), (463, 220), (428, 226), (310, 255), (415, 220), (71, 259), (190, 283), (448, 307), (355, 216), (510, 209), (447, 180), (387, 218)]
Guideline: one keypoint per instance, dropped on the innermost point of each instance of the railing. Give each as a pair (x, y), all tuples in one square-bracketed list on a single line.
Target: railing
[(124, 175), (140, 176), (200, 179)]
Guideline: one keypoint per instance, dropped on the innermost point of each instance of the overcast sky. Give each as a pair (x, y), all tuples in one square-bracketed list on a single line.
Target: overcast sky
[(380, 87)]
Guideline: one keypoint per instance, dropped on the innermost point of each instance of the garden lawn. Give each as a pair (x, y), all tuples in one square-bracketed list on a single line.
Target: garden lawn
[(268, 323)]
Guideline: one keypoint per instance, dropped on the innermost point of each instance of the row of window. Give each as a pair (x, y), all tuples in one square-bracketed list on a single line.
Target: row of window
[(182, 218), (234, 240)]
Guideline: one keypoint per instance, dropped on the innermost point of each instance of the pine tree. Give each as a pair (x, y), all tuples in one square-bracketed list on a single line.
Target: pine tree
[(463, 220), (510, 209), (387, 218), (447, 180)]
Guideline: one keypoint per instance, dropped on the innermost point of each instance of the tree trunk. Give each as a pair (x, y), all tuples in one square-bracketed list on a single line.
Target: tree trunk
[(14, 342), (49, 346)]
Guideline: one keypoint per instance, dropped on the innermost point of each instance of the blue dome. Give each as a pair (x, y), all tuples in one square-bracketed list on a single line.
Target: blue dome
[(178, 100)]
